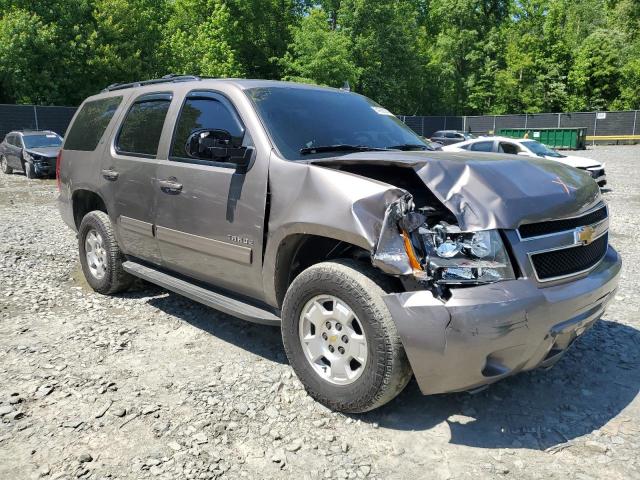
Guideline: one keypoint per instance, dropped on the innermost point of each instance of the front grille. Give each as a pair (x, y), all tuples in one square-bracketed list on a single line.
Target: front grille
[(569, 261), (544, 228), (596, 173)]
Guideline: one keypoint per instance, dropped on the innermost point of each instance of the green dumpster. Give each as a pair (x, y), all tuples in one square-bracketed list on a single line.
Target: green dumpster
[(572, 138)]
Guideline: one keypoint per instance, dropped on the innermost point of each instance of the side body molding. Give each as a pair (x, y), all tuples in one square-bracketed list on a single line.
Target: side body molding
[(208, 246)]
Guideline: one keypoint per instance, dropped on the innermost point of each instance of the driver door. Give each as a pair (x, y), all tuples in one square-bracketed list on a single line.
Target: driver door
[(210, 213)]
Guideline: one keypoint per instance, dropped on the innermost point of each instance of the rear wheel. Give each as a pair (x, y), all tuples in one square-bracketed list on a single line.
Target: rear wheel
[(340, 338), (100, 255), (4, 166)]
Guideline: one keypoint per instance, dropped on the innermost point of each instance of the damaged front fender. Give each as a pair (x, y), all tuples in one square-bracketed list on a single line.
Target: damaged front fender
[(311, 200)]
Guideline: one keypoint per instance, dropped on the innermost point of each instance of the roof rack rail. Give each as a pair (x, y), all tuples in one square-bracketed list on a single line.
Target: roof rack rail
[(166, 79)]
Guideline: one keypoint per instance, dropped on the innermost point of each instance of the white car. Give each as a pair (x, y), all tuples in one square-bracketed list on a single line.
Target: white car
[(530, 148)]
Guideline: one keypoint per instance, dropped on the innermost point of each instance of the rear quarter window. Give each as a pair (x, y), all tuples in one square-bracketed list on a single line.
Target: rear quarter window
[(90, 124)]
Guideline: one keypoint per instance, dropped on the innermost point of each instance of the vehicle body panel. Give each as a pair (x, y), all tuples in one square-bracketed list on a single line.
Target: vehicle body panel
[(492, 191), (485, 333), (227, 229)]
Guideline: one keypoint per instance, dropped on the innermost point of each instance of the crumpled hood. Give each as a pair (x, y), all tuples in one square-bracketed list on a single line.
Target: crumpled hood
[(492, 191), (48, 152)]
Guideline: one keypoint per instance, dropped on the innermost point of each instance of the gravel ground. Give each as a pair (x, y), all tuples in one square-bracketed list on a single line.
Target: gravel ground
[(151, 385)]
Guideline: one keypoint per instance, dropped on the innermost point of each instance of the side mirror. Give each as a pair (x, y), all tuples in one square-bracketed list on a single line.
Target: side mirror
[(219, 146)]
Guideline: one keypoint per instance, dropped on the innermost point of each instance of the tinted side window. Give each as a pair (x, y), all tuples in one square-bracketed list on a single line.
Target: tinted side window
[(437, 134), (509, 148), (203, 113), (141, 130), (482, 147), (90, 124)]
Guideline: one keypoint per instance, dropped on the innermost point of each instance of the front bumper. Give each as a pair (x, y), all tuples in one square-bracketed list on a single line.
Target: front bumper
[(45, 168), (486, 333)]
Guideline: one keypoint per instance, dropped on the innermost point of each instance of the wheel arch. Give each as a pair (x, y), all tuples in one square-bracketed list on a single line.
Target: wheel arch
[(299, 251), (84, 201)]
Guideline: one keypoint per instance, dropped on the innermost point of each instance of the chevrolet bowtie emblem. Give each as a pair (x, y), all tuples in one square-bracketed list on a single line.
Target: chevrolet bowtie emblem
[(584, 235), (564, 186)]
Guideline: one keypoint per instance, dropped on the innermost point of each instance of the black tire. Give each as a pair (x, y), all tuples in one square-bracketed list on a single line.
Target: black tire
[(29, 170), (115, 279), (387, 370), (4, 166)]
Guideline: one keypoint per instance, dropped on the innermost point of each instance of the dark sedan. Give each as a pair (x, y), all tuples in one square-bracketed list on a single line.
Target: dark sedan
[(449, 137), (33, 152)]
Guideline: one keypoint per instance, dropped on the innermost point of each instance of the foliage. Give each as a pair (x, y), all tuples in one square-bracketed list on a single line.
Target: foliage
[(413, 56), (320, 54)]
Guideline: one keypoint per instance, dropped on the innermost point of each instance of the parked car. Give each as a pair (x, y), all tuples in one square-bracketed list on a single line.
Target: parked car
[(318, 211), (33, 152), (433, 146), (449, 137), (534, 149)]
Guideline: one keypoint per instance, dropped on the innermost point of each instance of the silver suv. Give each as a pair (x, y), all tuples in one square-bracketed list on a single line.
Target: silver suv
[(318, 210)]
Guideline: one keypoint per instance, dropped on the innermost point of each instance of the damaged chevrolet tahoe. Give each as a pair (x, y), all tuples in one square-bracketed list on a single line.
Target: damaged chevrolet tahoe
[(319, 211)]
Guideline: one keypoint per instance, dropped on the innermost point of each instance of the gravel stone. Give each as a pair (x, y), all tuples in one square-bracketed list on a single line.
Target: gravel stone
[(213, 397)]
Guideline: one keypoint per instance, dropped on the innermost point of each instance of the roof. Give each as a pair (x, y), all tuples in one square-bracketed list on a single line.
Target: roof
[(32, 132), (496, 137), (203, 82)]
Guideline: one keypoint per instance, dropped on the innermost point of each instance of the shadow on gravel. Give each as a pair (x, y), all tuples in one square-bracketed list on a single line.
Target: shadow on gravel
[(587, 388), (261, 340), (595, 380)]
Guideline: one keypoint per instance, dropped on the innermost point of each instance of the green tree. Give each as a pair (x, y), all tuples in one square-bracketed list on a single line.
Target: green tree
[(387, 42), (595, 77), (197, 39), (319, 53), (127, 35), (27, 48)]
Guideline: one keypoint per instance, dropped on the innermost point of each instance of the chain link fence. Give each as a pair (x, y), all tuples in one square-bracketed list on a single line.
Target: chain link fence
[(31, 117), (600, 126)]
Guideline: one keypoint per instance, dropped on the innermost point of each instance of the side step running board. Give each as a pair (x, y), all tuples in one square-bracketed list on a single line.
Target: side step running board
[(202, 295)]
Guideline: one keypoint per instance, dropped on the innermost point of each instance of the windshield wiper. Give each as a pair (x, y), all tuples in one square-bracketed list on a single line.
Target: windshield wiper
[(409, 146), (339, 148)]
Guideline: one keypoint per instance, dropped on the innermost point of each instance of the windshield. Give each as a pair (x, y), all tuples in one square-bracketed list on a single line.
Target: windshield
[(42, 141), (540, 149), (299, 119)]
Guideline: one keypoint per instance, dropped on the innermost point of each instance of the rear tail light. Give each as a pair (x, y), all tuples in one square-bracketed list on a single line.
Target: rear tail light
[(58, 165)]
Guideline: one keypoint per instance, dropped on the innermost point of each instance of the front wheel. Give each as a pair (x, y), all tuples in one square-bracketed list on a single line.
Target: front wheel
[(29, 170), (5, 166), (340, 338)]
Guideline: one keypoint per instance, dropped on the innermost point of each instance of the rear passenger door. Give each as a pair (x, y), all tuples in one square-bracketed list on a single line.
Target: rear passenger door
[(129, 174)]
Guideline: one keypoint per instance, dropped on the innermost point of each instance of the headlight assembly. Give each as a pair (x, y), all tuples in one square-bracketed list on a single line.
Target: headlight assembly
[(449, 256)]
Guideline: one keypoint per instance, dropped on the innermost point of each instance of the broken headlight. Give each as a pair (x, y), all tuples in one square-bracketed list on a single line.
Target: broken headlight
[(450, 256)]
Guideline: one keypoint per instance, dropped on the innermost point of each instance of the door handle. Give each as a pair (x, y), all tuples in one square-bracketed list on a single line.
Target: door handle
[(110, 175), (170, 186)]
